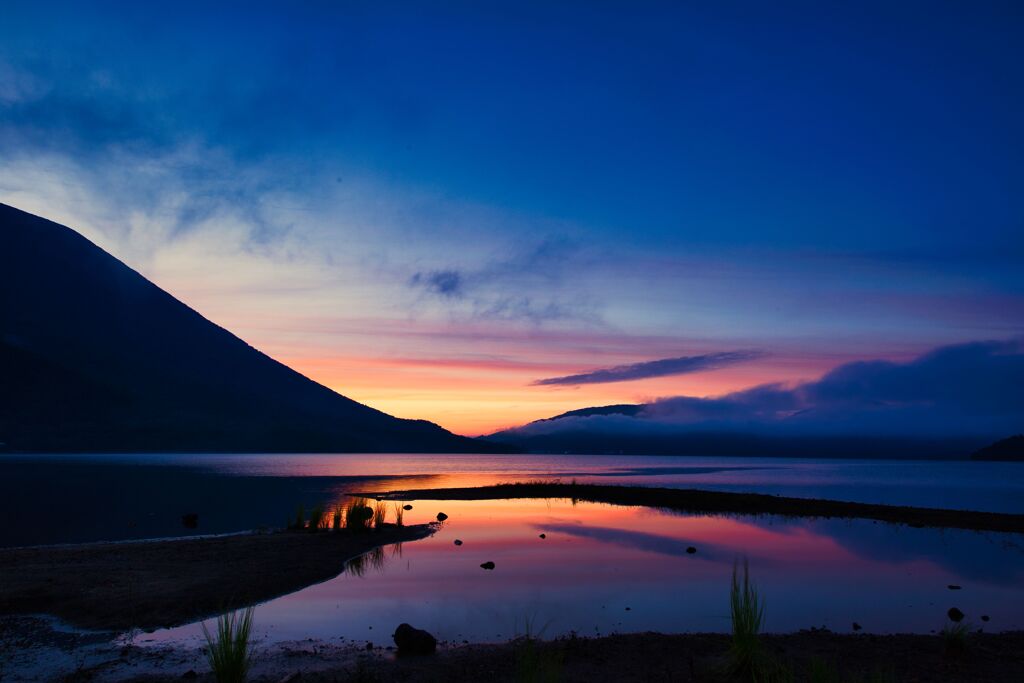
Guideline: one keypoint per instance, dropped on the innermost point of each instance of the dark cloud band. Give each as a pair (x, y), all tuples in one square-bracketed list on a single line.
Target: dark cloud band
[(655, 368)]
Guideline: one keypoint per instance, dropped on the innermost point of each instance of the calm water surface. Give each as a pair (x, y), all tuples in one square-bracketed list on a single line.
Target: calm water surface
[(143, 496), (605, 569), (596, 561)]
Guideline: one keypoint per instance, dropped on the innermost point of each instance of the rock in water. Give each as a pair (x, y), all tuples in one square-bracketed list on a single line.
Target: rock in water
[(407, 507), (487, 565), (691, 550), (856, 626), (955, 614), (190, 520), (458, 542), (543, 535), (441, 516), (414, 641), (953, 587)]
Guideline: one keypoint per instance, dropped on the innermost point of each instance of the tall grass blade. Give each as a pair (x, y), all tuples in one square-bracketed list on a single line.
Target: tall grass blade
[(229, 649)]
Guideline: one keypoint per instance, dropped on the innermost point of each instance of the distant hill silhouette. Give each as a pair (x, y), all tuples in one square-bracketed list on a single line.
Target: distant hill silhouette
[(94, 357), (1010, 449), (628, 409), (587, 431)]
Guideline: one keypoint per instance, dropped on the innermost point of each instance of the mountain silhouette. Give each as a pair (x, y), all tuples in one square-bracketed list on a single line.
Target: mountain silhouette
[(94, 357), (627, 429), (1010, 449)]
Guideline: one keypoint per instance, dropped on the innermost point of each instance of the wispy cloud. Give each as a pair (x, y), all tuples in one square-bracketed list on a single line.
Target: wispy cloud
[(682, 365), (524, 286)]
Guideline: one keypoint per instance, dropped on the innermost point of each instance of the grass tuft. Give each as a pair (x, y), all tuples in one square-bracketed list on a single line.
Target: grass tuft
[(229, 650), (536, 662), (359, 516), (748, 660), (380, 513), (956, 637), (399, 514)]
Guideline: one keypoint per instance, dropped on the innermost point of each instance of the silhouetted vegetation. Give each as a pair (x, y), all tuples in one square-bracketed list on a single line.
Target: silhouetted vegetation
[(359, 515), (534, 662), (399, 514), (316, 518), (300, 519), (229, 650), (748, 658), (956, 637), (380, 513)]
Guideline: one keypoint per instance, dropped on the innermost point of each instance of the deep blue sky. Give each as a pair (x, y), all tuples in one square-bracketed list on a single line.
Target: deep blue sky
[(782, 177)]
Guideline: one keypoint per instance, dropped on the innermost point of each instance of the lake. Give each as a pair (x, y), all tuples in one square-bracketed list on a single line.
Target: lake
[(601, 569)]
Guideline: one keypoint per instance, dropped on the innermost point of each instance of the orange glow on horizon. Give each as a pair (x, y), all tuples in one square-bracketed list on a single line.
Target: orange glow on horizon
[(480, 396)]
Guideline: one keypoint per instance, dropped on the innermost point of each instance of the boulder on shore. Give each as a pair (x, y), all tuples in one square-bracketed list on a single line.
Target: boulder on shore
[(414, 641)]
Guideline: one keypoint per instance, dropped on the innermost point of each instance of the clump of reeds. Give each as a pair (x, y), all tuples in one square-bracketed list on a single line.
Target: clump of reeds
[(316, 517), (337, 518), (359, 516), (380, 513), (399, 514), (229, 649)]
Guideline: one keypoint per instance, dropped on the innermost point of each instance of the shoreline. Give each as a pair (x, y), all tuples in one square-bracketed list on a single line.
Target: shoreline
[(627, 657), (700, 501), (116, 586)]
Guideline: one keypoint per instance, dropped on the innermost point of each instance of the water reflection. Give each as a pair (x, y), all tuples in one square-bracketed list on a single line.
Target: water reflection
[(598, 560), (373, 560), (129, 496)]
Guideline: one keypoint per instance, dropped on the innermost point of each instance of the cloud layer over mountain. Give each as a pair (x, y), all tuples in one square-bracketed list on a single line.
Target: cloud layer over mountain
[(966, 390)]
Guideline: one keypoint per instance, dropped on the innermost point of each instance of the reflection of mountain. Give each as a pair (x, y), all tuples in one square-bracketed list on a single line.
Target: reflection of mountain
[(639, 540), (96, 358), (981, 557)]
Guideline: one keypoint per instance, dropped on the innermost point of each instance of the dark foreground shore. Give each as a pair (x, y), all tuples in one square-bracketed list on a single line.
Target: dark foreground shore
[(151, 584), (811, 656), (702, 657), (721, 502)]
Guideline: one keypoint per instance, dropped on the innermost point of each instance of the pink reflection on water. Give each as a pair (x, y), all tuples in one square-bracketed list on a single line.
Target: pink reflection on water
[(598, 560)]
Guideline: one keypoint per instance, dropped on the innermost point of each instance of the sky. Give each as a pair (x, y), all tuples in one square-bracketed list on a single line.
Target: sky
[(483, 214)]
